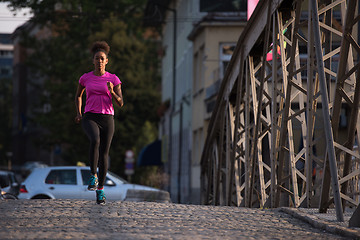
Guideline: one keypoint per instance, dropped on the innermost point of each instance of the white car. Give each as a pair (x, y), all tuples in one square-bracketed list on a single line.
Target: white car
[(72, 182)]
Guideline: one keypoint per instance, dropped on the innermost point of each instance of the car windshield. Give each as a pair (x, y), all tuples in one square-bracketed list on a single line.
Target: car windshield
[(116, 176)]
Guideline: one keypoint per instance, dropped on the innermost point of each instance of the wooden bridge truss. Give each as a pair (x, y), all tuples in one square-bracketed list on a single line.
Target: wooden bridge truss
[(295, 67)]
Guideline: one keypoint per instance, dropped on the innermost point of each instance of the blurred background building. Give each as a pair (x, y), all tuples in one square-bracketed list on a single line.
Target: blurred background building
[(6, 56), (26, 134), (198, 38)]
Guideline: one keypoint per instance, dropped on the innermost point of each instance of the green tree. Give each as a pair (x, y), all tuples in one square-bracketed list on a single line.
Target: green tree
[(62, 58)]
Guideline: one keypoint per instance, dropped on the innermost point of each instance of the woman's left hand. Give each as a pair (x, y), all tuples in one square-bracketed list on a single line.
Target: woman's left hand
[(110, 86)]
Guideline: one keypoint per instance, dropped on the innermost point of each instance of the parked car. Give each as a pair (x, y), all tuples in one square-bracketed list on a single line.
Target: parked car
[(71, 183), (8, 182)]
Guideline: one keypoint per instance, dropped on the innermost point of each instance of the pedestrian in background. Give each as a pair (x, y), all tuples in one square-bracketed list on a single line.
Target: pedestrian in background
[(98, 119)]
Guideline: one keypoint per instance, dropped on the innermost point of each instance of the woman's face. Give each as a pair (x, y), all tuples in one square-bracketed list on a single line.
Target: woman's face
[(100, 60)]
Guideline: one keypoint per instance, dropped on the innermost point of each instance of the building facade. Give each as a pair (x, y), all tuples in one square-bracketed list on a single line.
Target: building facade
[(197, 41), (26, 97), (177, 87), (214, 39), (6, 56)]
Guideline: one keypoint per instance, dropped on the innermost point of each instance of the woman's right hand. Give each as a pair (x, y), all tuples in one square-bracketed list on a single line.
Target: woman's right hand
[(78, 118)]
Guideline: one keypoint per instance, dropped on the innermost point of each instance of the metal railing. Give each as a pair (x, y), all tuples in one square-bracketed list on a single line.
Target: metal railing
[(267, 122)]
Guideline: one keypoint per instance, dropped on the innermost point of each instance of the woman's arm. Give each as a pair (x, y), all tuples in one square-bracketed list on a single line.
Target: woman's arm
[(78, 102), (116, 93)]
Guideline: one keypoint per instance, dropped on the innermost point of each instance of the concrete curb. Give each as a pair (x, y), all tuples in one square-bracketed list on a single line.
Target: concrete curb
[(136, 195), (316, 222)]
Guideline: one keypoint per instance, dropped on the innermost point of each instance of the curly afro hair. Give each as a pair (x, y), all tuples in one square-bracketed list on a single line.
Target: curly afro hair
[(100, 46)]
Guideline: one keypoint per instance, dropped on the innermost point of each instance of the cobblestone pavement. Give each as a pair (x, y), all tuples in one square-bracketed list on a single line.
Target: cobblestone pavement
[(80, 219)]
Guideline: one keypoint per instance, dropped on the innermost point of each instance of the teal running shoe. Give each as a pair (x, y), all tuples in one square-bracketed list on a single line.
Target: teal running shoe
[(93, 183), (100, 197)]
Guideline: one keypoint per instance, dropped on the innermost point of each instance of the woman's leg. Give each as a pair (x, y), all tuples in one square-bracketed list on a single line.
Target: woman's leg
[(106, 135), (91, 129)]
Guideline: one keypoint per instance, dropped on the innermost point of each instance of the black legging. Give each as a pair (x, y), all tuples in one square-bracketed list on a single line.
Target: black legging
[(100, 130)]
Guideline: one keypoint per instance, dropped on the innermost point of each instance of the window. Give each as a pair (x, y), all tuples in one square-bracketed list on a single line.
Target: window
[(61, 177), (6, 54), (5, 71), (226, 51), (198, 147), (304, 59), (198, 70), (223, 6), (196, 73)]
